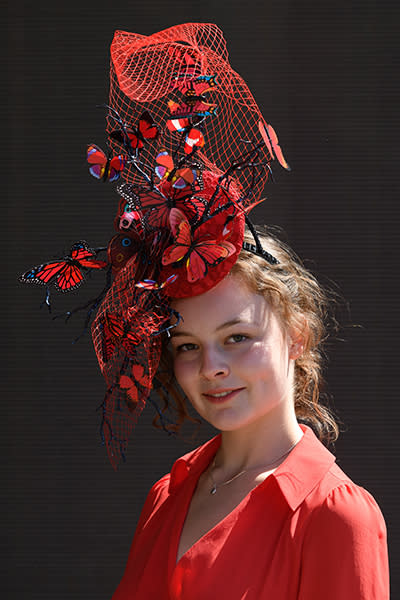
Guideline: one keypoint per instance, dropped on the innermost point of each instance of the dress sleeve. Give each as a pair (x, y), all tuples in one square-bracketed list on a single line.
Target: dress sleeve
[(345, 552), (139, 551), (153, 498)]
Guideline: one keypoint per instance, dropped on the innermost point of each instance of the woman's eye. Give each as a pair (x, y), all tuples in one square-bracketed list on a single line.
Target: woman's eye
[(237, 337), (185, 347)]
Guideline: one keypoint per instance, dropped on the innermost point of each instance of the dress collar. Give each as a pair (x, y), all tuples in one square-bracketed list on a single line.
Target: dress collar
[(304, 468), (299, 473)]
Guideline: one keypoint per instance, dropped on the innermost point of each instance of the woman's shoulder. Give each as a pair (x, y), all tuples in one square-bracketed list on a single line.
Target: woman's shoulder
[(340, 502), (312, 481), (343, 541)]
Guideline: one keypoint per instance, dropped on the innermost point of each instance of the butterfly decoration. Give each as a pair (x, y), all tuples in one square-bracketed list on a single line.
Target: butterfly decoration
[(121, 248), (271, 141), (193, 135), (129, 385), (150, 284), (195, 252), (156, 209), (195, 88), (118, 332), (145, 131), (107, 168), (194, 105), (187, 65), (129, 218), (65, 273), (180, 177), (198, 108)]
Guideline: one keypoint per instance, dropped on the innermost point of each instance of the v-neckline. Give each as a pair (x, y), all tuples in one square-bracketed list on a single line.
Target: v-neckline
[(180, 522)]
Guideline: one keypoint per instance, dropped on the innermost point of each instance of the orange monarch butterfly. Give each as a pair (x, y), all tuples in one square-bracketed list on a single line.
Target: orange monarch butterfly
[(195, 253), (66, 273)]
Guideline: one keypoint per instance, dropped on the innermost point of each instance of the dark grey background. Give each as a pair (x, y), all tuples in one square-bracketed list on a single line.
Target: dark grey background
[(325, 76)]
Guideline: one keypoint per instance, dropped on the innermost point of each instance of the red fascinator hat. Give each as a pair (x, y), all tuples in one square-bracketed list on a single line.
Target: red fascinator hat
[(191, 153)]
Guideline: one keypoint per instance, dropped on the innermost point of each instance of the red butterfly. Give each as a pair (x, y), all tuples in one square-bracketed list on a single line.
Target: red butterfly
[(157, 208), (65, 273), (197, 253), (103, 167), (196, 108), (146, 130), (179, 177), (271, 141), (187, 65), (195, 88), (117, 332), (193, 134), (129, 385), (131, 393)]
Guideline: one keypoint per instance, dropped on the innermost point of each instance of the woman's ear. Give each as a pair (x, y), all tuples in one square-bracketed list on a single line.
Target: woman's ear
[(298, 339)]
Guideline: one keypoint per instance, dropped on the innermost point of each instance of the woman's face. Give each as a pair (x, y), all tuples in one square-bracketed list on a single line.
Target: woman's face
[(231, 356)]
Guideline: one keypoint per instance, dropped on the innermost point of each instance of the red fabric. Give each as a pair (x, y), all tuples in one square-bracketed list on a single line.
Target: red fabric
[(150, 72), (306, 533)]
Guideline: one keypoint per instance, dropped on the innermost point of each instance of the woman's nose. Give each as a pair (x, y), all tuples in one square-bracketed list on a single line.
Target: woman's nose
[(214, 364)]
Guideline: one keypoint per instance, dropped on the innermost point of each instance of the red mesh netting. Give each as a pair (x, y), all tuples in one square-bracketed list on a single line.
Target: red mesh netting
[(126, 330), (144, 75), (126, 339), (180, 224)]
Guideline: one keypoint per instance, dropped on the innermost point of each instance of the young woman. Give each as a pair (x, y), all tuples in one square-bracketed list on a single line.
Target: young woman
[(261, 511)]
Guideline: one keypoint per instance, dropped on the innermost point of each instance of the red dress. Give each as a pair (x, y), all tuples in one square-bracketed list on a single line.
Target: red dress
[(307, 532)]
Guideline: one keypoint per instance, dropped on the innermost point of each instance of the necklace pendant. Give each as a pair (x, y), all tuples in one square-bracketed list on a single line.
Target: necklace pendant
[(213, 490)]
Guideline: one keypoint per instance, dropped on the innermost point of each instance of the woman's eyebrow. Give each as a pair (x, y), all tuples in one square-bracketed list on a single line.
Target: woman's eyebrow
[(175, 333), (230, 323)]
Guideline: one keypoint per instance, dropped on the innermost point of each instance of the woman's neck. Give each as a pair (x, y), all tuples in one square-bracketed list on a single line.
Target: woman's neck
[(258, 444)]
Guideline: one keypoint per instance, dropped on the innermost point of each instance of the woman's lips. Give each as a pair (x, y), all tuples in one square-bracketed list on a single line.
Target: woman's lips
[(215, 398)]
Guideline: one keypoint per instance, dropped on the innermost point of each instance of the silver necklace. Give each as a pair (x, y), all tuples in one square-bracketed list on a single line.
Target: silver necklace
[(216, 486)]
